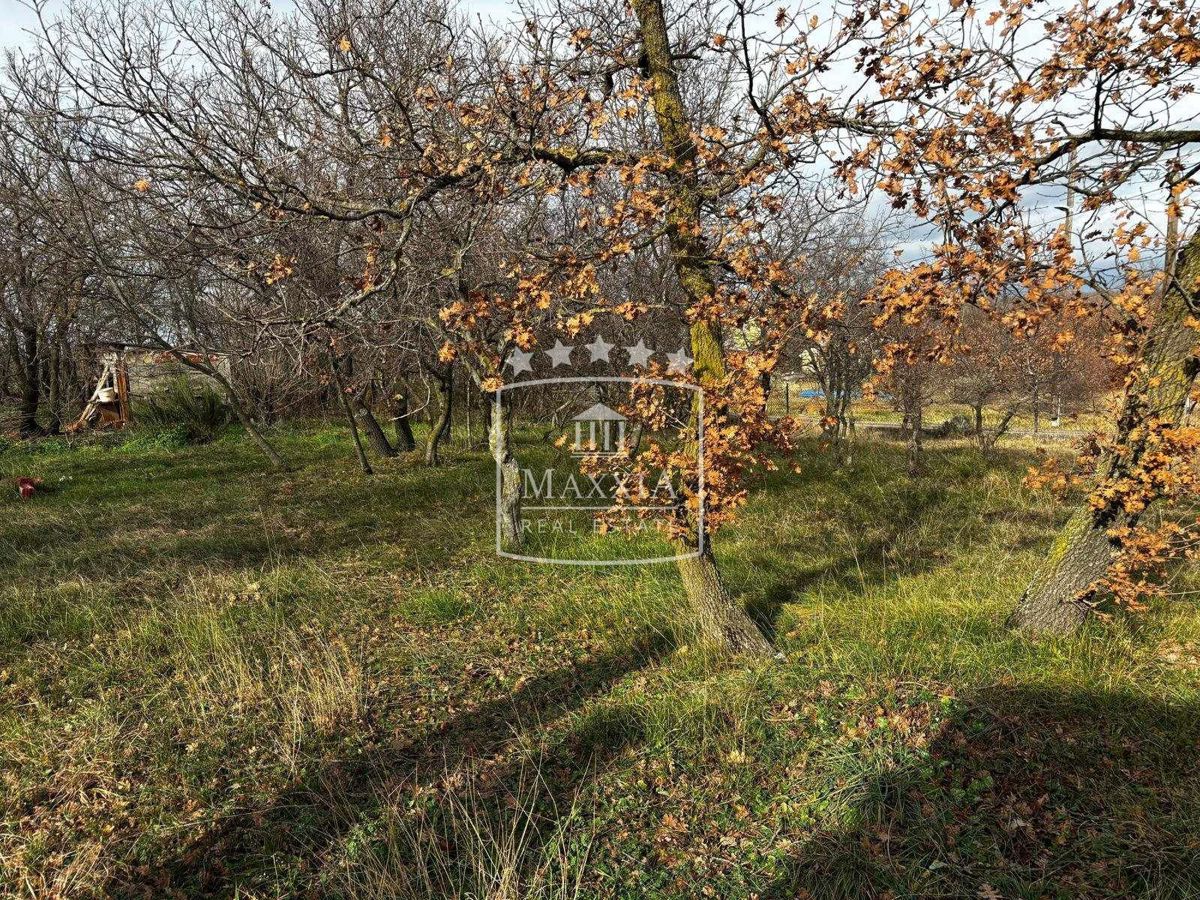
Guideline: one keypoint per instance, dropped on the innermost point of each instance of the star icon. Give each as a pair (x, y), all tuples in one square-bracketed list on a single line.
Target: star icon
[(560, 354), (600, 348), (519, 360), (679, 362), (639, 355)]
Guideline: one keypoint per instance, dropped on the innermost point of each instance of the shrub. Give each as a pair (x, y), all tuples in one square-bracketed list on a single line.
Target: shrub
[(191, 410)]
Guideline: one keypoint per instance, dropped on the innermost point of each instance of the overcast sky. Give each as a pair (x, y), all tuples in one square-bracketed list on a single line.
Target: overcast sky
[(15, 18)]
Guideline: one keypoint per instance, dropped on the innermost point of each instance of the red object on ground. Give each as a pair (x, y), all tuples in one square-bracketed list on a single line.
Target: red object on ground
[(27, 486)]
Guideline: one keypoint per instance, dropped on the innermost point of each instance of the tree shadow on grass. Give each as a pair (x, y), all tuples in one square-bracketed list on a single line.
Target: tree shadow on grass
[(521, 819), (866, 524), (302, 827), (1029, 791), (787, 585), (854, 570)]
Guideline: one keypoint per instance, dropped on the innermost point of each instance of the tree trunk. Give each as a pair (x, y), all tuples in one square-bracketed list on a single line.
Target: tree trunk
[(252, 429), (830, 420), (235, 403), (509, 502), (54, 382), (405, 440), (484, 410), (375, 436), (1063, 589), (441, 427), (722, 619), (1056, 599), (635, 439), (915, 438), (30, 374), (836, 388), (350, 419)]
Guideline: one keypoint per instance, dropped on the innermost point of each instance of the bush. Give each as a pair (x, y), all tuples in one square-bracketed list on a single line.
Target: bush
[(191, 412)]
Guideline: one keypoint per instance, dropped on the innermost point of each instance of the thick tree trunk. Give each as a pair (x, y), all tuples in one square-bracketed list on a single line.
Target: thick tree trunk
[(406, 441), (441, 427), (375, 436), (1056, 600), (722, 619), (1063, 589), (509, 503)]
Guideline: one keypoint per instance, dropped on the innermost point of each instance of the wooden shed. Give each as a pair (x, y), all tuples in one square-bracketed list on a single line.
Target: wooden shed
[(130, 372)]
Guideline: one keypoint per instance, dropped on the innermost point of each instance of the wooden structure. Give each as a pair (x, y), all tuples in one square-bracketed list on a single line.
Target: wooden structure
[(130, 371), (109, 406)]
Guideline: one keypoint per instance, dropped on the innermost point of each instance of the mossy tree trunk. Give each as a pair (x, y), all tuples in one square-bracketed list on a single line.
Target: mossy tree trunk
[(722, 620), (719, 617), (1063, 590)]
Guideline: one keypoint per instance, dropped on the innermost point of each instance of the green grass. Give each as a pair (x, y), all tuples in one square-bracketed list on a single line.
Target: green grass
[(216, 681)]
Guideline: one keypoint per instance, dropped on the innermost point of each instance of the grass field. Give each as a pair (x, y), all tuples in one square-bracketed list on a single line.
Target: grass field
[(216, 681)]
